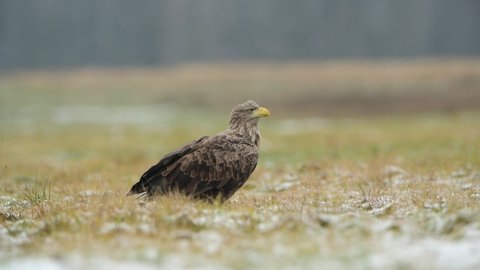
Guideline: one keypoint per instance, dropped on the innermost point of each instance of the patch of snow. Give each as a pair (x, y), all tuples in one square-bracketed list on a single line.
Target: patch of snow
[(33, 263), (466, 186), (115, 227), (68, 198), (475, 195), (78, 263), (211, 241), (428, 254), (439, 204), (394, 170), (88, 193), (383, 225), (459, 173), (146, 228), (395, 175), (223, 220), (273, 222), (200, 220), (7, 203), (349, 204), (284, 186), (381, 211), (11, 240)]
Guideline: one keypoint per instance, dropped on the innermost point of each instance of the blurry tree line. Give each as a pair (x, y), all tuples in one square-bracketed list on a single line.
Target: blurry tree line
[(72, 33)]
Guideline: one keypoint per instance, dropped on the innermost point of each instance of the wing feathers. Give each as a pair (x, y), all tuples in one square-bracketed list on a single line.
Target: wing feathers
[(150, 180)]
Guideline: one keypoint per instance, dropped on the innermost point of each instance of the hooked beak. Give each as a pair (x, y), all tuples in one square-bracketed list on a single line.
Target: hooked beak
[(261, 112)]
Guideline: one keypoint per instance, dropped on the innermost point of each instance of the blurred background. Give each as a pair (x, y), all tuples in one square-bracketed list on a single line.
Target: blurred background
[(303, 58), (120, 33)]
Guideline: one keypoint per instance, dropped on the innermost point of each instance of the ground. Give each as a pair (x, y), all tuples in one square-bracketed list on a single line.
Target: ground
[(389, 184)]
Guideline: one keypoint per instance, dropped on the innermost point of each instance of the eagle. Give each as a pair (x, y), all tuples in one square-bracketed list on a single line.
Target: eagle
[(212, 167)]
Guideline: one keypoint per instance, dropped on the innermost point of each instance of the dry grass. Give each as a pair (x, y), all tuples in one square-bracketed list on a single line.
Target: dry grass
[(328, 192)]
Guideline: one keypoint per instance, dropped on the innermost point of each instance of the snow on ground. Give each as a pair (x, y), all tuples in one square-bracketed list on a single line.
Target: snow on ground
[(395, 253), (74, 263), (429, 254)]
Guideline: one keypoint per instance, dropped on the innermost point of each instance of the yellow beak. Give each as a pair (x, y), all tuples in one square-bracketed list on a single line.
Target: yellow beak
[(261, 112)]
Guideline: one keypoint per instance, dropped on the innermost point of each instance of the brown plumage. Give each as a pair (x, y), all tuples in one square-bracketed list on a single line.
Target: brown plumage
[(210, 167)]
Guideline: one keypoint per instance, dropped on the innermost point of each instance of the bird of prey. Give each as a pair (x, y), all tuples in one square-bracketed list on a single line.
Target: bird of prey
[(212, 167)]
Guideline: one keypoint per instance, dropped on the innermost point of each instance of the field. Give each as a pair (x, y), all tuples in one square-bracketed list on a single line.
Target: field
[(363, 165)]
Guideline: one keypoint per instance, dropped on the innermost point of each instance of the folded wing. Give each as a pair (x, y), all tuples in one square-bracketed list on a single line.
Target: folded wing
[(206, 168)]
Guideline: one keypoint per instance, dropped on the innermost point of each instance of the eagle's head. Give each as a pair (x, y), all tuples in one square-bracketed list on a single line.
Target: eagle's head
[(247, 114)]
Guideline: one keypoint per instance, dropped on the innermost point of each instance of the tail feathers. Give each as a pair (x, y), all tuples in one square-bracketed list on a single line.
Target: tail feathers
[(146, 188), (131, 192), (139, 195), (138, 188)]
